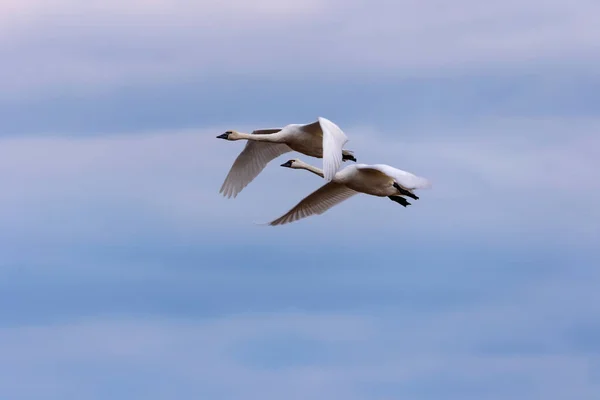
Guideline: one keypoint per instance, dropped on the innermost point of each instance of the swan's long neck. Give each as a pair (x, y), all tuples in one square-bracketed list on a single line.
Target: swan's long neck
[(273, 137), (312, 169)]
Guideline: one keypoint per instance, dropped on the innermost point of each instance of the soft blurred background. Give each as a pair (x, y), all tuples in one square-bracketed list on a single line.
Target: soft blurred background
[(125, 275)]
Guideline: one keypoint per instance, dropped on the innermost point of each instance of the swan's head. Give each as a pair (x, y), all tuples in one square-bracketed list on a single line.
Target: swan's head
[(296, 164), (229, 135)]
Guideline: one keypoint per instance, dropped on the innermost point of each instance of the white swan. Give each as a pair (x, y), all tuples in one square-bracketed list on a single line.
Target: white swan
[(321, 139), (377, 180)]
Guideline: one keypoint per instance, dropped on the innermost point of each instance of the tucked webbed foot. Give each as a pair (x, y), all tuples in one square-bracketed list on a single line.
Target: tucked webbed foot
[(346, 157), (405, 192), (400, 200)]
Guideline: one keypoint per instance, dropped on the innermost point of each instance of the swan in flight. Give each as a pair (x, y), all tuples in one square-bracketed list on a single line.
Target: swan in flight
[(321, 139), (377, 180)]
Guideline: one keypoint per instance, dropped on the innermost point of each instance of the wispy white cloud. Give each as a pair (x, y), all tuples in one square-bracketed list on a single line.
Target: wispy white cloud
[(85, 46), (352, 355), (19, 15), (486, 188)]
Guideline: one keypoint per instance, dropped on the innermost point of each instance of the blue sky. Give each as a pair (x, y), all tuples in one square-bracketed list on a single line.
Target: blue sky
[(124, 274)]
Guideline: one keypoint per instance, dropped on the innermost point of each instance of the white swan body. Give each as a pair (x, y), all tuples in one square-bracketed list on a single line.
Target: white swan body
[(377, 180), (321, 139)]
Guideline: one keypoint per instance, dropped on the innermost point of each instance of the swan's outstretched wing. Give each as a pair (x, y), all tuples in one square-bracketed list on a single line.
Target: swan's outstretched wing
[(317, 202), (251, 161), (333, 141), (403, 178)]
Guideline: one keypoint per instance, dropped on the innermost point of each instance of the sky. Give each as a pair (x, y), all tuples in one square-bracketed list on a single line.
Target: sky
[(124, 274)]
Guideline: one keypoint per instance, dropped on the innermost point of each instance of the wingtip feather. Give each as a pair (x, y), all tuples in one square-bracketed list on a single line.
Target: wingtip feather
[(262, 223)]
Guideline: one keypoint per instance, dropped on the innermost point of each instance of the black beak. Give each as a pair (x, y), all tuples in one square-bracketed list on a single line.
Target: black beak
[(346, 157), (287, 164), (224, 136)]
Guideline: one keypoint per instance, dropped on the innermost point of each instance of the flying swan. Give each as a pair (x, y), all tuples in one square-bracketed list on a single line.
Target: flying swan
[(377, 180), (321, 139)]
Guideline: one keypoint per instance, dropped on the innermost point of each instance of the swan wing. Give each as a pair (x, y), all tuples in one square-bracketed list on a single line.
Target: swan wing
[(317, 202), (251, 161), (334, 140), (405, 179)]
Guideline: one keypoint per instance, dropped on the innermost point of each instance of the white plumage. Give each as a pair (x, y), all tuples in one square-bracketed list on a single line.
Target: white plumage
[(321, 139), (377, 180)]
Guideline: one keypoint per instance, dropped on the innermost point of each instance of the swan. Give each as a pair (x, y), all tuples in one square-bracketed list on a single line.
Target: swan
[(378, 180), (321, 139)]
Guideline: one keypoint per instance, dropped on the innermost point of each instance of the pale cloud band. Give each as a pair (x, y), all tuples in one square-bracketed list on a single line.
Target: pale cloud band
[(533, 346), (87, 46), (497, 185)]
